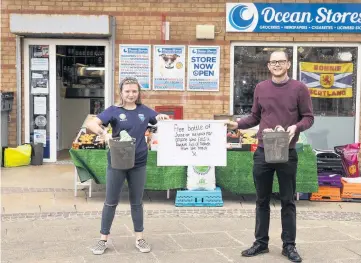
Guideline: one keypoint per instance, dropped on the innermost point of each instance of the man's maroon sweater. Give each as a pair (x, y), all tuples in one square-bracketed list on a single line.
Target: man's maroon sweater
[(284, 104)]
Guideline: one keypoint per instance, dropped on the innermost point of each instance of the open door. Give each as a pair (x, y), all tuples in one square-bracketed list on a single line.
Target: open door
[(61, 83)]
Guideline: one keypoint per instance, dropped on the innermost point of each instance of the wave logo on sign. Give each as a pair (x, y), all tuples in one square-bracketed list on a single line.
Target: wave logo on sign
[(243, 17)]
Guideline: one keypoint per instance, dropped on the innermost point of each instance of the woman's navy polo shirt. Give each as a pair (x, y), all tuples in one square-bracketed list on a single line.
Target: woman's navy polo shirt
[(135, 122)]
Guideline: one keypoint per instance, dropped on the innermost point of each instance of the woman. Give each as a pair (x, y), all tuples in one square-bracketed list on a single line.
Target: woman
[(132, 116)]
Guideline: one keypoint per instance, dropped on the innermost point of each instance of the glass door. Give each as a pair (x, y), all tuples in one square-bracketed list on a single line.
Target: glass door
[(39, 94), (64, 81)]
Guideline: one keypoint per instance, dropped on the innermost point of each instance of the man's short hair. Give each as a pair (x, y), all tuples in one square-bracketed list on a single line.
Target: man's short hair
[(280, 51)]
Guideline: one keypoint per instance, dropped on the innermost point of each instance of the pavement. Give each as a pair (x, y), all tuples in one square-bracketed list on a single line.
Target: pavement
[(42, 221)]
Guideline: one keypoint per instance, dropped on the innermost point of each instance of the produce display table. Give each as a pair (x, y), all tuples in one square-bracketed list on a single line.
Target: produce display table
[(236, 177)]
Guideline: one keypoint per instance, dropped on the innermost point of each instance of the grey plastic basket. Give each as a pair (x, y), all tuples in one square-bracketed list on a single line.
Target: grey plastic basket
[(276, 147), (122, 154)]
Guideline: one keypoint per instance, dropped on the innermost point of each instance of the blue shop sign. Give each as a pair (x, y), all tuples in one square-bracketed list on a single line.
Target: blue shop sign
[(288, 17)]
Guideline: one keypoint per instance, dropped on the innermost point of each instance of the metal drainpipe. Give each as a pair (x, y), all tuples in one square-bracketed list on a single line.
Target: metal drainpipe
[(112, 46), (18, 91)]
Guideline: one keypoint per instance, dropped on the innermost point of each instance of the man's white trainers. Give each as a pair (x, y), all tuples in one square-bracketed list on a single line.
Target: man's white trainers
[(100, 247), (143, 246)]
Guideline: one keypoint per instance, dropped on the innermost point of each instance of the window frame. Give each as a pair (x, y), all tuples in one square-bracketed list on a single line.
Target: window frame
[(295, 47)]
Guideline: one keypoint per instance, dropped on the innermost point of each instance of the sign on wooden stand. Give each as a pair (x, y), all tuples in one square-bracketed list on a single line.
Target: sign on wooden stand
[(192, 142)]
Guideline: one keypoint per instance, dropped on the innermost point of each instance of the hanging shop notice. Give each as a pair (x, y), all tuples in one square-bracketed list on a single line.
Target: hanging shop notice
[(39, 105), (326, 80), (40, 82), (190, 142), (40, 136), (134, 61), (203, 68), (169, 68), (39, 64)]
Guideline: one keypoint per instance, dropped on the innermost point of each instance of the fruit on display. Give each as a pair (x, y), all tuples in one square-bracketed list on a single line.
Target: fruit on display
[(87, 138), (248, 136)]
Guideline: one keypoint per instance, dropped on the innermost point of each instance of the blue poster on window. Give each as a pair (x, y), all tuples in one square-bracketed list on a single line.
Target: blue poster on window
[(203, 68), (134, 61), (293, 17)]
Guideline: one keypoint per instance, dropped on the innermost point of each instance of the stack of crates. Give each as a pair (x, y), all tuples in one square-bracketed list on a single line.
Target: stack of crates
[(350, 191), (330, 172)]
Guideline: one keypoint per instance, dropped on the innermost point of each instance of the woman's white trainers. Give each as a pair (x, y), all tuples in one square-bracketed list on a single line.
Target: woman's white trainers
[(100, 247), (143, 246)]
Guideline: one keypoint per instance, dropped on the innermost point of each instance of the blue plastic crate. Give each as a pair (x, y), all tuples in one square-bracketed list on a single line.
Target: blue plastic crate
[(304, 196), (199, 198)]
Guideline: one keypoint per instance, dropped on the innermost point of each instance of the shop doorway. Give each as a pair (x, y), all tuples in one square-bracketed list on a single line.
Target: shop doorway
[(65, 81)]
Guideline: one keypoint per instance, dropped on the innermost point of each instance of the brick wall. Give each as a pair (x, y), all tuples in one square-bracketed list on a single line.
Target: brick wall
[(139, 22)]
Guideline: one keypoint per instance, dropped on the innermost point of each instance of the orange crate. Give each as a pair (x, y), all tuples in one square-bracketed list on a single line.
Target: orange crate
[(327, 193), (350, 190)]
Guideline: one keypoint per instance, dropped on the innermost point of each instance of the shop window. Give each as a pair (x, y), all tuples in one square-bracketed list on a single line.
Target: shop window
[(250, 68), (330, 73)]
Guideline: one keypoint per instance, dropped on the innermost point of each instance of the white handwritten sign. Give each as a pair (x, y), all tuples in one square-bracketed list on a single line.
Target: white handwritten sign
[(192, 142)]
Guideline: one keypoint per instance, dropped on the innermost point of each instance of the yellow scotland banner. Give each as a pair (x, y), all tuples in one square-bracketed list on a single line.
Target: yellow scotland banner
[(327, 80)]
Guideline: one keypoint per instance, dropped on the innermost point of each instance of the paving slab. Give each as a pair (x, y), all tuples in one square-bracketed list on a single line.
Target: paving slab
[(324, 252), (205, 240), (350, 230), (190, 256), (166, 226), (198, 225), (353, 246), (321, 234), (123, 258), (348, 260)]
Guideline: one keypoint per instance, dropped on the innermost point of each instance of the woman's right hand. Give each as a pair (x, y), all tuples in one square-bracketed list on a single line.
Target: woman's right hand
[(105, 137)]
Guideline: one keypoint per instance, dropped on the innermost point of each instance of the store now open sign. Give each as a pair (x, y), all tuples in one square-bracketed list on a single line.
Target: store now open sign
[(289, 17)]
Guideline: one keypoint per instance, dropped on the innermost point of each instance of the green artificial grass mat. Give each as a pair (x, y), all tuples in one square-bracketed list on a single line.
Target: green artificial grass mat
[(236, 177)]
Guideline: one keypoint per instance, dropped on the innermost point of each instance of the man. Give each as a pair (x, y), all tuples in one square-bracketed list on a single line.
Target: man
[(285, 102)]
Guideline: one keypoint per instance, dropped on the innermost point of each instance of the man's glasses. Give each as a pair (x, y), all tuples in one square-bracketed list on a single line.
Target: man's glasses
[(280, 62)]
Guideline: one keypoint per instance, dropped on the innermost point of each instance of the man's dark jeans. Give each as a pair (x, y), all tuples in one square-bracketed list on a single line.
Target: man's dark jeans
[(263, 179)]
